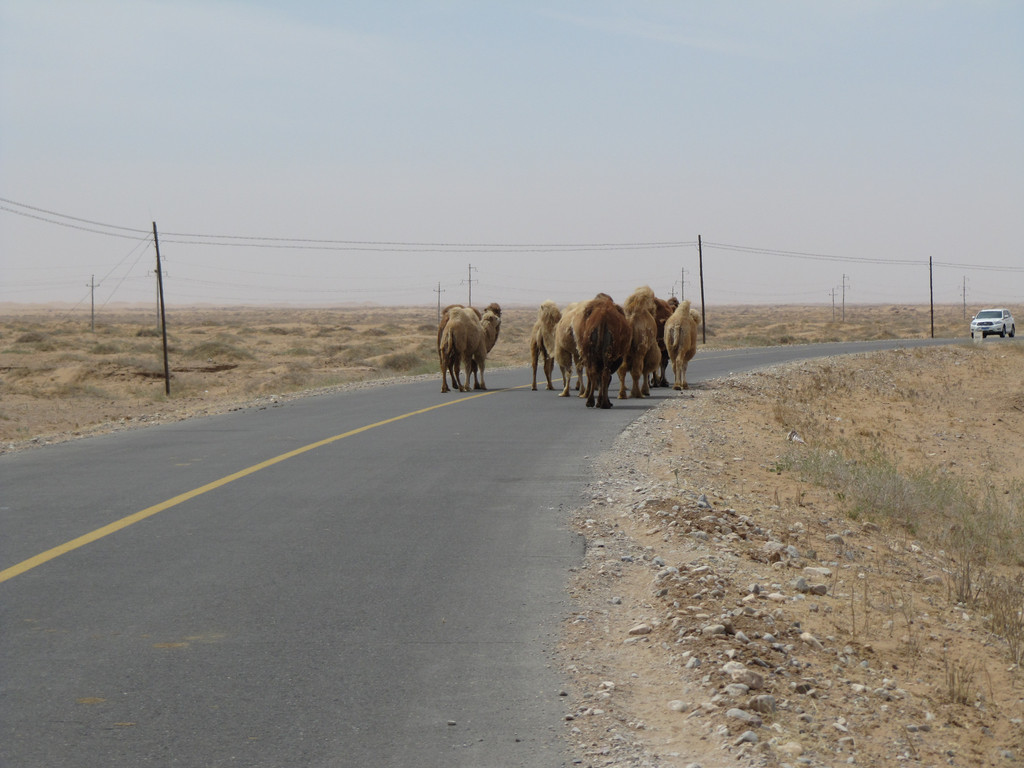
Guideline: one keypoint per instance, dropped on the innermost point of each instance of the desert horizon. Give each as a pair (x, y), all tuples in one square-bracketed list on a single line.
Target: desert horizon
[(61, 376)]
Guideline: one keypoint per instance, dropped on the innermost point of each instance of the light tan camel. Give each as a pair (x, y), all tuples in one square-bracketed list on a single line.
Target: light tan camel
[(643, 356), (440, 330), (463, 342), (491, 322), (567, 353), (681, 340), (542, 340), (665, 309)]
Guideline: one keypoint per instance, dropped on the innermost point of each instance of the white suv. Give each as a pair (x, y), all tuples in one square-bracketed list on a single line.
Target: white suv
[(992, 321)]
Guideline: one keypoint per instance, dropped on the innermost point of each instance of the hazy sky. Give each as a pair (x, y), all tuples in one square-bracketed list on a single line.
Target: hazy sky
[(560, 148)]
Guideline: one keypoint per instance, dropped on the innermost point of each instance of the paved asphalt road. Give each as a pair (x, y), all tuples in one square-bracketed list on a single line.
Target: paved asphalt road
[(369, 578)]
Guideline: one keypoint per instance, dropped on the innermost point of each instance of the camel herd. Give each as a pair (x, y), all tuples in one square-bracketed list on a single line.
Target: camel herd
[(597, 338)]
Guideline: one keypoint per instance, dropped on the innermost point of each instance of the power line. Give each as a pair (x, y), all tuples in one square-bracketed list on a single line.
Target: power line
[(812, 256), (978, 266), (411, 247), (395, 246), (254, 241)]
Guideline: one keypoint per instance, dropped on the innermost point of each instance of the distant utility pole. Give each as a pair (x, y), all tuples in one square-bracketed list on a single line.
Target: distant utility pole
[(845, 277), (965, 296), (682, 284), (92, 286), (438, 291), (470, 281), (833, 292)]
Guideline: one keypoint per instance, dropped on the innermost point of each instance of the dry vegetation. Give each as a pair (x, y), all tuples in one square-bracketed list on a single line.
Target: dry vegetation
[(59, 379)]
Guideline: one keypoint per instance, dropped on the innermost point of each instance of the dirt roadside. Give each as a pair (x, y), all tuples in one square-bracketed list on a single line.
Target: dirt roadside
[(732, 611)]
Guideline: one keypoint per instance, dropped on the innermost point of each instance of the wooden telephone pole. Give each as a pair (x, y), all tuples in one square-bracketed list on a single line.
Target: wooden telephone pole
[(160, 307), (703, 316)]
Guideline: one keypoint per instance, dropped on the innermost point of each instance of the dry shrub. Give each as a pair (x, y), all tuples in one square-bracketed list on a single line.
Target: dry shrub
[(1003, 600)]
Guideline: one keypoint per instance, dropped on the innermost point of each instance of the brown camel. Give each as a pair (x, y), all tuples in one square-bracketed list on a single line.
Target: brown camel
[(604, 336), (681, 340), (542, 340)]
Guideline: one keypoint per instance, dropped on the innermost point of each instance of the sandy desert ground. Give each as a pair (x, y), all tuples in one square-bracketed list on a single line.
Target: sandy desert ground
[(818, 564), (60, 379)]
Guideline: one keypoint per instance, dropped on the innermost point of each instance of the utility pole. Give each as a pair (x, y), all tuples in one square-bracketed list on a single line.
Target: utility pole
[(833, 292), (470, 281), (844, 297), (92, 286), (965, 296), (163, 316), (438, 291), (703, 318), (682, 284), (931, 294)]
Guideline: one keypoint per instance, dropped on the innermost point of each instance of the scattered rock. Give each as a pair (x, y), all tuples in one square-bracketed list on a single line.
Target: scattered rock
[(812, 641), (747, 737), (765, 704), (791, 749), (746, 717)]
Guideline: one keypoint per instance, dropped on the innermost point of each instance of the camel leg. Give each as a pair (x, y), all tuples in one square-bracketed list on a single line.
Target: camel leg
[(622, 382), (549, 368), (636, 373), (603, 400), (565, 381)]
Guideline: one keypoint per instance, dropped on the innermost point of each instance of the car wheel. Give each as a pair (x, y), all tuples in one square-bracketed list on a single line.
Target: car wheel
[(1013, 330), (1002, 333)]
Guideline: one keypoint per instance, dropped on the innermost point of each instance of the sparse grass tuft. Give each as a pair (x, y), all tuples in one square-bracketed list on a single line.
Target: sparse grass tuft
[(960, 681), (217, 350), (403, 361)]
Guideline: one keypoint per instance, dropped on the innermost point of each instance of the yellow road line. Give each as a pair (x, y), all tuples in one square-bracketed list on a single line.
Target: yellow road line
[(124, 522)]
